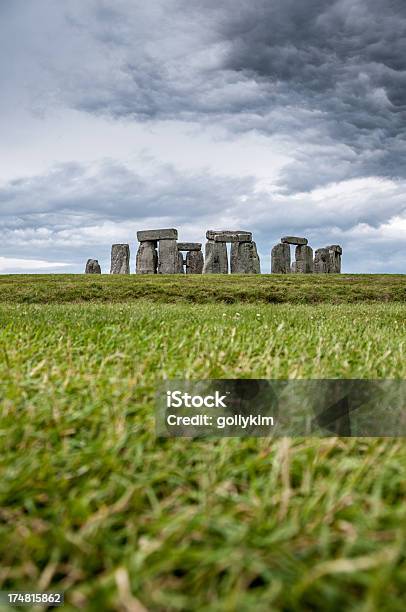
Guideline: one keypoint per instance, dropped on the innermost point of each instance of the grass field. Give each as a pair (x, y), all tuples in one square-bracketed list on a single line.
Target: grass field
[(93, 504), (205, 289)]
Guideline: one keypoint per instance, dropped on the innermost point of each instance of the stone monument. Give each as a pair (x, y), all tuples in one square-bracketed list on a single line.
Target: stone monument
[(92, 267), (120, 259), (280, 256), (303, 259), (244, 256), (194, 261), (165, 260), (327, 260), (280, 259)]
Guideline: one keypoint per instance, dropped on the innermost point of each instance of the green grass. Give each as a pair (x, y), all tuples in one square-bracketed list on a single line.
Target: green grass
[(204, 289), (92, 503)]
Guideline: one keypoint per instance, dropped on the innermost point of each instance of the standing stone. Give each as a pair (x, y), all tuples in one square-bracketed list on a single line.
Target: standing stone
[(293, 267), (244, 258), (304, 259), (328, 260), (181, 263), (92, 267), (120, 259), (216, 259), (147, 258), (334, 252), (280, 259), (321, 261), (168, 257), (194, 262)]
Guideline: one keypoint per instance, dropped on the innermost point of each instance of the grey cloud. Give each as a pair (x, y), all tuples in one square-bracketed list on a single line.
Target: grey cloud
[(74, 208), (329, 73), (112, 191), (346, 59), (333, 69), (327, 78), (77, 211)]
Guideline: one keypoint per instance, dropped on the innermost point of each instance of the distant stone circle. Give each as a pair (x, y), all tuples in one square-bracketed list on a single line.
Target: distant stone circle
[(327, 260), (160, 252)]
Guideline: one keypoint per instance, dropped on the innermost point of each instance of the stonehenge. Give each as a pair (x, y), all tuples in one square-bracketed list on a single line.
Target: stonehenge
[(194, 260), (327, 260), (92, 267), (147, 257), (165, 260), (244, 258), (159, 252), (216, 258), (168, 257), (294, 240), (120, 259), (335, 252), (228, 236), (159, 234), (280, 259), (321, 261), (189, 246), (303, 259)]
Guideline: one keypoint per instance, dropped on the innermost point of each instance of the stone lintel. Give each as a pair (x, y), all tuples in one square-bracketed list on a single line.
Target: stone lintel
[(158, 234), (189, 246), (229, 236), (294, 240)]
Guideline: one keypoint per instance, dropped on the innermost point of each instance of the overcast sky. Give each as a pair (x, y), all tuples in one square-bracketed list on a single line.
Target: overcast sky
[(274, 116)]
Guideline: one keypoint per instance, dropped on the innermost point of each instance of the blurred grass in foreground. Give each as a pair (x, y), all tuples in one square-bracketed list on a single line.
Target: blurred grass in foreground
[(92, 504)]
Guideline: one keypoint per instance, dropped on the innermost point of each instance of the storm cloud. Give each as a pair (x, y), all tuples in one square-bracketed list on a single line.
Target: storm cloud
[(273, 115)]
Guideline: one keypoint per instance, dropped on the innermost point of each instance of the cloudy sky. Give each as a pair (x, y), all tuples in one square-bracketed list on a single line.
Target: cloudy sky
[(274, 116)]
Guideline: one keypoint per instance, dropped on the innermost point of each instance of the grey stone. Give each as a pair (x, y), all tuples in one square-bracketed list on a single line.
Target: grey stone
[(216, 259), (293, 267), (327, 260), (321, 261), (158, 234), (294, 240), (194, 262), (120, 259), (336, 248), (229, 236), (304, 259), (280, 259), (189, 246), (147, 258), (181, 264), (244, 258), (168, 257), (334, 261), (92, 267)]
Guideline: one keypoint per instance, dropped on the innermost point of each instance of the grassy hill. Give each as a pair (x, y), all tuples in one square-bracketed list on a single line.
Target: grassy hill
[(93, 504)]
